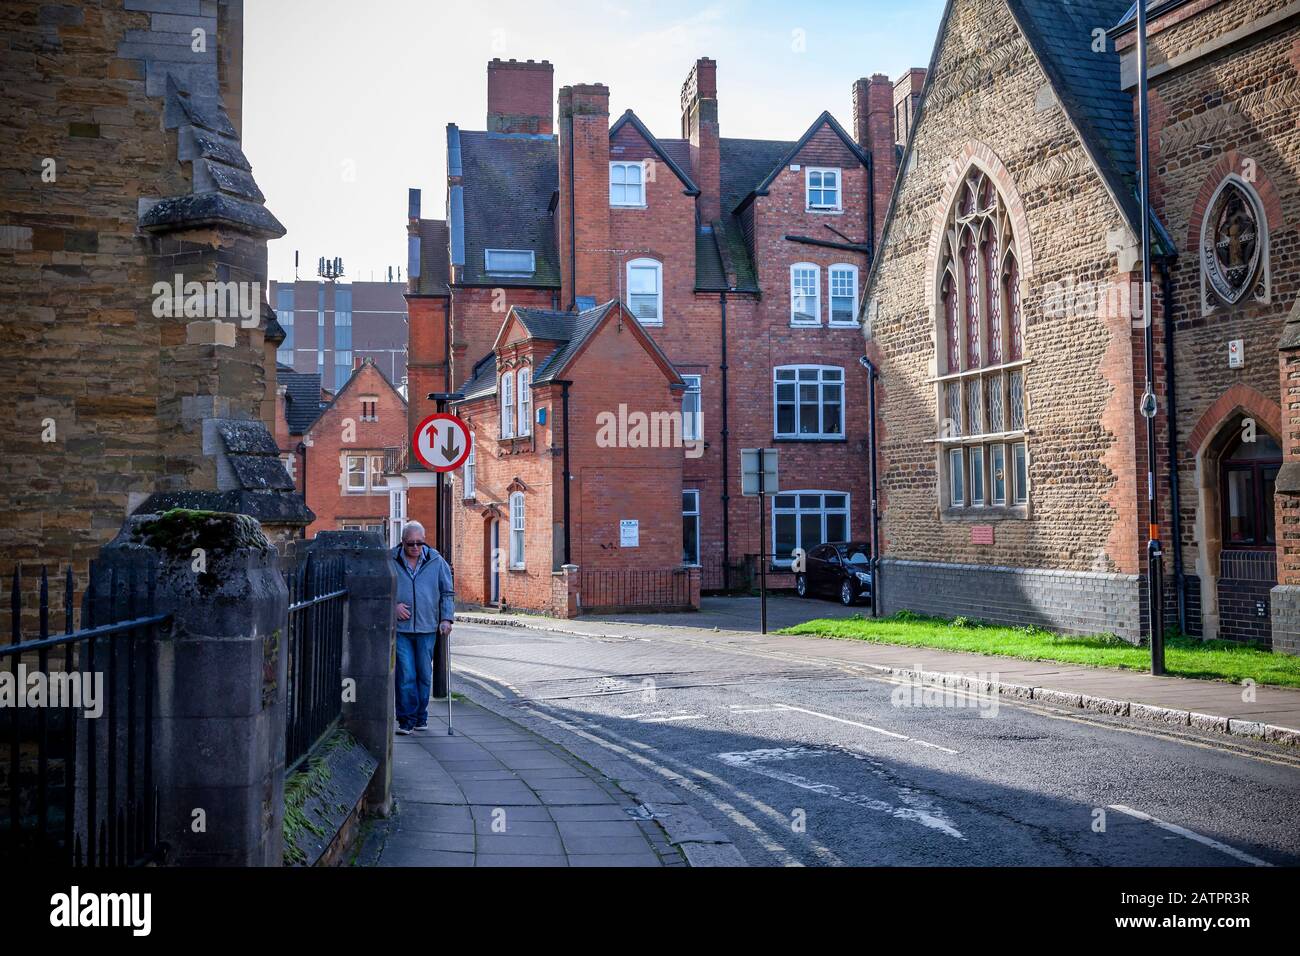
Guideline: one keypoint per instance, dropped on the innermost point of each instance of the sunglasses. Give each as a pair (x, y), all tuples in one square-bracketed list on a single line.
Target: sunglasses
[(413, 544)]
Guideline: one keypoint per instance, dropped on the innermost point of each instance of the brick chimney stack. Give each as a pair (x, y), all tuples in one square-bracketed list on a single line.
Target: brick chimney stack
[(907, 94), (520, 96), (873, 128), (584, 241), (700, 126)]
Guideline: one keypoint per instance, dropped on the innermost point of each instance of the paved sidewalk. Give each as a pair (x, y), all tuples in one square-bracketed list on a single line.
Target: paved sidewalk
[(497, 795), (1216, 706)]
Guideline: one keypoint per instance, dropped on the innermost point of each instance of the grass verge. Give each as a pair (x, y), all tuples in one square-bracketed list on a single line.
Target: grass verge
[(1184, 656)]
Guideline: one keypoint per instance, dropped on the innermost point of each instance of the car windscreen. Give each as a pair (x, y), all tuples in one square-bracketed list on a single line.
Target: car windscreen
[(855, 554)]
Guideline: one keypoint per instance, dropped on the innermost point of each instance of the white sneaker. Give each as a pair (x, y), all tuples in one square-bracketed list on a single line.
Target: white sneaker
[(403, 731)]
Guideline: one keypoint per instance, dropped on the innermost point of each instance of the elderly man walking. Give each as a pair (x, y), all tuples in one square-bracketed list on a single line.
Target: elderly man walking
[(425, 610)]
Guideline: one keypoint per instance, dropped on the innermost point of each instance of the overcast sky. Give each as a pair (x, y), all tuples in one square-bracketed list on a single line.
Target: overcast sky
[(346, 102)]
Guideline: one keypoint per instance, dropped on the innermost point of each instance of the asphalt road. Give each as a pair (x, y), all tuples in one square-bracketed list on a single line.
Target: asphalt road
[(808, 763)]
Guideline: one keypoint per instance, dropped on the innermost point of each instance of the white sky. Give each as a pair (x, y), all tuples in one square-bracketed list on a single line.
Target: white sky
[(346, 102)]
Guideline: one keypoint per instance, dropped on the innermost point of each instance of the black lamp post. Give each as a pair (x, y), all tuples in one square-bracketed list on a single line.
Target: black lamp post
[(1149, 407)]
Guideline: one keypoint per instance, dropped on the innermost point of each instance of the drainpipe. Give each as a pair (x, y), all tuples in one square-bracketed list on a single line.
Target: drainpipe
[(302, 450), (726, 456), (872, 374), (1171, 415), (446, 340), (573, 277), (564, 417)]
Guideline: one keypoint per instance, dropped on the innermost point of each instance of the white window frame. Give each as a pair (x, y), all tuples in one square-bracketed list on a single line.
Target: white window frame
[(290, 461), (852, 271), (996, 452), (822, 434), (507, 386), (348, 473), (657, 268), (956, 478), (977, 476), (467, 475), (693, 420), (517, 273), (376, 474), (640, 167), (808, 188), (517, 531), (525, 391), (1020, 488), (693, 511), (816, 291), (799, 511)]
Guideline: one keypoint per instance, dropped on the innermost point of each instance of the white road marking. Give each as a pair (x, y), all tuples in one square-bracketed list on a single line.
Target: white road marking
[(918, 809), (1191, 835), (664, 720), (878, 730), (780, 852)]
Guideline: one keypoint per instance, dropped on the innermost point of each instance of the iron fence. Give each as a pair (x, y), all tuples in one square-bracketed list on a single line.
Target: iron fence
[(719, 577), (79, 787), (317, 602), (601, 591)]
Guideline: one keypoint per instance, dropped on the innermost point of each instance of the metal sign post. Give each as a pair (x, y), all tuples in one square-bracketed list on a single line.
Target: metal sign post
[(759, 478), (442, 442)]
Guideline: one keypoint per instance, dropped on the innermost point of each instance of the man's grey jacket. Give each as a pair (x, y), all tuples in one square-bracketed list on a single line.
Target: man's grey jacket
[(427, 591)]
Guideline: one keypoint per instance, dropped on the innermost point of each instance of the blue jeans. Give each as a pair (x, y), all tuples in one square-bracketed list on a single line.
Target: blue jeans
[(414, 677)]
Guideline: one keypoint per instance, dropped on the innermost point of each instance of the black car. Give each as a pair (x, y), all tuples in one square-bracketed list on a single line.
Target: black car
[(840, 569)]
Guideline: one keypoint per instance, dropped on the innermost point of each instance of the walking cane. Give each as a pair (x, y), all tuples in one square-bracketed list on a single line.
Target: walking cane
[(447, 638)]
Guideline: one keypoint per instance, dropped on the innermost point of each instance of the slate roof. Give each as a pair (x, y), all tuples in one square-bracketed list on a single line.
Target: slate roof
[(746, 163), (1088, 85), (508, 180), (435, 270), (302, 404), (570, 329)]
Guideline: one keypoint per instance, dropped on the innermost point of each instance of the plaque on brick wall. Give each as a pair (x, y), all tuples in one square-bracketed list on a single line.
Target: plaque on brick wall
[(981, 534)]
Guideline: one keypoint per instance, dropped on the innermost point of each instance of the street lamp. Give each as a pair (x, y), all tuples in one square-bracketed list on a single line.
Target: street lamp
[(1150, 405)]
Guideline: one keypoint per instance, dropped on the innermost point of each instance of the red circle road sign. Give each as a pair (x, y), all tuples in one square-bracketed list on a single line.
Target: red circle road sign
[(441, 442)]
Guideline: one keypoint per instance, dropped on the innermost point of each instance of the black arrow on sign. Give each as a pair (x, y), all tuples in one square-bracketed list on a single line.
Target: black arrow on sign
[(450, 450)]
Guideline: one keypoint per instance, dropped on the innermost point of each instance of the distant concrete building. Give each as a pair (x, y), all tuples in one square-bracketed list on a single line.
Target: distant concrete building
[(328, 326)]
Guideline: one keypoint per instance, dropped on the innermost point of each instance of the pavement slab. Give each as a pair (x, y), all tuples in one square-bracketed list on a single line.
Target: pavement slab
[(497, 795)]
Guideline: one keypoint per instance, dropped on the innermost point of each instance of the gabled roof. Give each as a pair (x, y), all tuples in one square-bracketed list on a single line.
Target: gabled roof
[(503, 202), (1052, 29), (826, 119), (572, 330), (302, 401), (356, 374), (746, 163), (630, 119), (1155, 8), (1088, 86)]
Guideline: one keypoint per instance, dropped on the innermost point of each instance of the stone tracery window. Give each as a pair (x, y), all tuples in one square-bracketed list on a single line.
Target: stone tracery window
[(1234, 246), (981, 382)]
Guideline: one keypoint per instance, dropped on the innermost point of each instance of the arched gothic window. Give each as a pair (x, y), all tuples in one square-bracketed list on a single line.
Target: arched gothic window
[(1234, 246), (981, 398)]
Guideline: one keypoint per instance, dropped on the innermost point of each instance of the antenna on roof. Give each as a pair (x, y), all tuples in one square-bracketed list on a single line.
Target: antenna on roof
[(331, 270), (295, 265)]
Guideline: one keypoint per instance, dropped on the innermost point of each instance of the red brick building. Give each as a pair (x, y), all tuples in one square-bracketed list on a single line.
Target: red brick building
[(338, 448), (742, 262)]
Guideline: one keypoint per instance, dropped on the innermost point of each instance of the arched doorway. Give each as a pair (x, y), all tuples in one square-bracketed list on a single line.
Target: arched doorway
[(1238, 558)]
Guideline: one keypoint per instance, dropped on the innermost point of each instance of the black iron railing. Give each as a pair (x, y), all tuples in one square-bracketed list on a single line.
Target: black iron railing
[(717, 577), (314, 644), (625, 590), (78, 782)]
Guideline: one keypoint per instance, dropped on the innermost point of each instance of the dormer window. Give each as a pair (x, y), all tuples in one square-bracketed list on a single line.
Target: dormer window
[(626, 184), (823, 189), (520, 263)]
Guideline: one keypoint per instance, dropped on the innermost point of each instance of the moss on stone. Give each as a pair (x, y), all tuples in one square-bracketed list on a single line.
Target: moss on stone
[(179, 531), (312, 781)]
